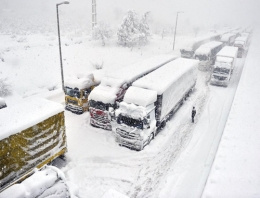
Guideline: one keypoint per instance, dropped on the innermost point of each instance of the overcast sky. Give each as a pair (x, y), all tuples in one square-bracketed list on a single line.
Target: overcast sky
[(206, 13)]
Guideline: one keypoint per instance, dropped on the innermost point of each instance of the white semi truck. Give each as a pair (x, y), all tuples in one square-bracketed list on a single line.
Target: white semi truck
[(113, 87), (224, 66), (152, 100)]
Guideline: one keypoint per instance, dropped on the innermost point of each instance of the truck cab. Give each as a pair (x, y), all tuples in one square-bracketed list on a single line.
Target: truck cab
[(135, 123), (77, 91)]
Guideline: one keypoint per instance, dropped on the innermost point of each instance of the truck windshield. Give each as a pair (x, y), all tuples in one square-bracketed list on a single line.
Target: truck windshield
[(130, 122), (221, 70), (190, 53), (99, 105), (202, 57), (72, 92)]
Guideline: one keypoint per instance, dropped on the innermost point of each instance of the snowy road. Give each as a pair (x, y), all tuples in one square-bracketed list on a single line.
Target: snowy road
[(179, 157)]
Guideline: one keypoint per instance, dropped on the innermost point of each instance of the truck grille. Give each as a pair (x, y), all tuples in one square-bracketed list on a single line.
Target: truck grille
[(126, 134), (220, 77)]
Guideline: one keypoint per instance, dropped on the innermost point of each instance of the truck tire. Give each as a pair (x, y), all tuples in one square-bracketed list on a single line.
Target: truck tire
[(163, 124)]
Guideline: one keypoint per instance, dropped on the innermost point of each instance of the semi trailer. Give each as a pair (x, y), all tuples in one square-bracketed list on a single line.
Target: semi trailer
[(151, 101), (113, 87), (32, 134)]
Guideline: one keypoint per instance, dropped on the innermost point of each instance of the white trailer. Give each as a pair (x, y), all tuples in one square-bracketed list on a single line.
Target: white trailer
[(228, 39), (224, 66), (207, 52), (152, 100), (241, 43), (113, 87)]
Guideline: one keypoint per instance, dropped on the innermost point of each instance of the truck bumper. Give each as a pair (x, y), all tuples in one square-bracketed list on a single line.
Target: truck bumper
[(130, 143), (219, 83), (106, 126), (74, 109)]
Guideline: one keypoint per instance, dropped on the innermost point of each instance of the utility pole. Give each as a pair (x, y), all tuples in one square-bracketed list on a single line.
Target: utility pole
[(94, 14), (175, 29)]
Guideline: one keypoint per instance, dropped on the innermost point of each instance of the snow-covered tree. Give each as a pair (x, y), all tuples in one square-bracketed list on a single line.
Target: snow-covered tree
[(102, 32), (144, 29), (133, 31)]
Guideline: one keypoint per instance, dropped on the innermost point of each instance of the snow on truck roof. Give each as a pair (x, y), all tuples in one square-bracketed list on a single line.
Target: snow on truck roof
[(26, 114), (138, 69), (162, 78), (228, 51), (140, 96), (106, 94), (207, 47), (80, 82), (241, 38)]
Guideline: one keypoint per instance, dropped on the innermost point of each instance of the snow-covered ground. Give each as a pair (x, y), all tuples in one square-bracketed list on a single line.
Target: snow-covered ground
[(176, 163)]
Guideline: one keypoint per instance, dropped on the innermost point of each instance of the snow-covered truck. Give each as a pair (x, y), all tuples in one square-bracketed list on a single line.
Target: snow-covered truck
[(32, 134), (113, 87), (224, 66), (77, 90), (228, 38), (241, 44), (46, 182), (188, 50), (207, 52), (152, 100)]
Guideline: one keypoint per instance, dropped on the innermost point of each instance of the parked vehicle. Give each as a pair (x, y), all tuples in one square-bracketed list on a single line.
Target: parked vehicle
[(32, 134), (228, 38), (2, 103), (224, 66), (207, 52), (77, 91), (112, 88), (241, 44), (189, 49), (46, 182), (151, 101)]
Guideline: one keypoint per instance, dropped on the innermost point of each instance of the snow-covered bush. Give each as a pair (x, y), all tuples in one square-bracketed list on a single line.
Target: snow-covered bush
[(133, 31), (102, 32), (5, 88)]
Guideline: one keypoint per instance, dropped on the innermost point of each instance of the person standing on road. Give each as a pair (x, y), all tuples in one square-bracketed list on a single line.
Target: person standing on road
[(193, 113)]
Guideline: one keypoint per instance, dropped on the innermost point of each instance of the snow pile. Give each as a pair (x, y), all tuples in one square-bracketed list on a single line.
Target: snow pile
[(136, 112), (25, 114), (80, 82), (164, 77), (236, 172), (140, 96), (48, 182)]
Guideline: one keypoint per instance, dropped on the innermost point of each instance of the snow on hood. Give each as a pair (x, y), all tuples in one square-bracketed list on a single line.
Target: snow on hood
[(80, 82), (26, 114), (140, 96), (132, 110), (104, 94), (221, 59)]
